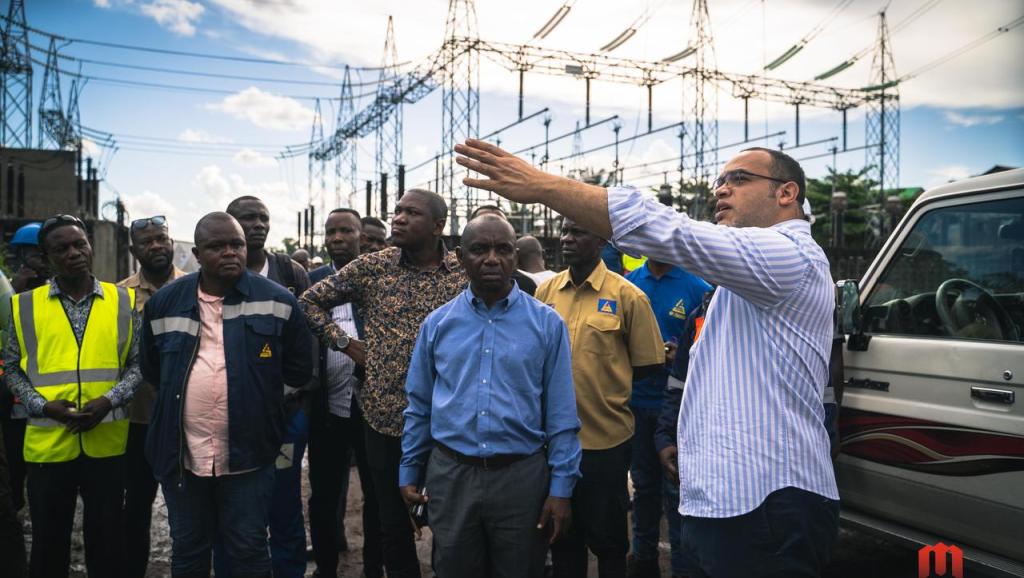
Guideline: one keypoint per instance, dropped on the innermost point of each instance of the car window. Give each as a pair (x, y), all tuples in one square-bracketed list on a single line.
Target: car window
[(958, 274)]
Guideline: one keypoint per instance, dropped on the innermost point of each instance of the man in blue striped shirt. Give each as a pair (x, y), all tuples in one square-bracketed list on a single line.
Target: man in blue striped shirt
[(758, 493), (491, 392)]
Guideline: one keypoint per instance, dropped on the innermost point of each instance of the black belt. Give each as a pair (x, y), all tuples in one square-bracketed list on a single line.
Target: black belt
[(495, 462)]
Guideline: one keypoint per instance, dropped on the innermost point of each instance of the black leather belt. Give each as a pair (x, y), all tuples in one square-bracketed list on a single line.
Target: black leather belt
[(495, 462)]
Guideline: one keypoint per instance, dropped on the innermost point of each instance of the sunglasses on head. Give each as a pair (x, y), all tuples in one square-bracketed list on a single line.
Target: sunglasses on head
[(158, 221), (739, 177), (54, 220)]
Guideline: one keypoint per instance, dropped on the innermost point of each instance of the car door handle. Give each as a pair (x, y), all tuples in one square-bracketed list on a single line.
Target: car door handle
[(992, 395), (868, 384)]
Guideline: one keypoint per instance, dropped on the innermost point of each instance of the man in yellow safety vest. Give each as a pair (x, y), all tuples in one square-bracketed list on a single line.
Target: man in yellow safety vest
[(71, 357)]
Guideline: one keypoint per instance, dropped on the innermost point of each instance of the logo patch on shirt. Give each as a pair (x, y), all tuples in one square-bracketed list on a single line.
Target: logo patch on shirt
[(607, 306), (265, 353), (679, 310)]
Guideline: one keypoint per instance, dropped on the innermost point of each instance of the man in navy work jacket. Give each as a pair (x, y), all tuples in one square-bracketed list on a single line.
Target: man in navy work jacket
[(490, 391), (218, 345)]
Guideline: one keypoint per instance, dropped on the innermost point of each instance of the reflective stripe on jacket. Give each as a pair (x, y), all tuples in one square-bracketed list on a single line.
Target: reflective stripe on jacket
[(61, 368)]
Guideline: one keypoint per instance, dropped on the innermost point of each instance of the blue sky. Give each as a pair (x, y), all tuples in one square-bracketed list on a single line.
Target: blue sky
[(185, 153)]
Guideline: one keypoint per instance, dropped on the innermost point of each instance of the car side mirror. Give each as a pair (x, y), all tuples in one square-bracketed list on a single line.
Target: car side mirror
[(848, 319)]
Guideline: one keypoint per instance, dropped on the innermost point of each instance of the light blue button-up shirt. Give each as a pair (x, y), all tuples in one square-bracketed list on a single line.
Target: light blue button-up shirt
[(751, 420), (493, 381)]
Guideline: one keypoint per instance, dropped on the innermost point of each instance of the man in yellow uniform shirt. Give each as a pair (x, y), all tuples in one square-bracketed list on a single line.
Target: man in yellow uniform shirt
[(72, 357), (614, 338)]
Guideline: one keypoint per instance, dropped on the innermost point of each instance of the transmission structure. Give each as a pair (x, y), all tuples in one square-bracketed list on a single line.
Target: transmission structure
[(455, 68), (16, 79)]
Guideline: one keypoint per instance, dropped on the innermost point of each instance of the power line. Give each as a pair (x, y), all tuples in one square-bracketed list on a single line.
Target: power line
[(179, 87), (204, 74), (907, 21), (958, 52), (807, 38), (206, 55)]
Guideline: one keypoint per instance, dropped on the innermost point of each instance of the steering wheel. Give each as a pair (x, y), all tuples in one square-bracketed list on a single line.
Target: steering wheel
[(975, 309)]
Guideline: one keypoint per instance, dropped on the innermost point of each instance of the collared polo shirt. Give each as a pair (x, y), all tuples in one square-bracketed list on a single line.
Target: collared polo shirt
[(612, 329), (141, 408)]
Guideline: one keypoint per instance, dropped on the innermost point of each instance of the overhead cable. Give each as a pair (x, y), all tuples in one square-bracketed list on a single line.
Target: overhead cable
[(554, 21), (189, 54), (807, 38)]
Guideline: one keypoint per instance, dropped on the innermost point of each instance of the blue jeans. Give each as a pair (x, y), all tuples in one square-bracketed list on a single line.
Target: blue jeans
[(287, 527), (232, 510), (652, 494)]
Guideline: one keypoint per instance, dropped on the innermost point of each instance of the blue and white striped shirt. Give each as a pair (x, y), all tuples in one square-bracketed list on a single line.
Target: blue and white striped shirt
[(751, 420)]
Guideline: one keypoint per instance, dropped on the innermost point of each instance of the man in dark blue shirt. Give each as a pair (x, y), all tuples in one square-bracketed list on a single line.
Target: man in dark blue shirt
[(501, 418), (673, 293)]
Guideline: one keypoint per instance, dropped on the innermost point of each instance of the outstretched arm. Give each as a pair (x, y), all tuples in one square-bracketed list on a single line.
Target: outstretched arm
[(517, 180)]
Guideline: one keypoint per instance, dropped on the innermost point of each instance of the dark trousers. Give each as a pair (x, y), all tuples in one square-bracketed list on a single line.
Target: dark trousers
[(233, 510), (384, 453), (791, 534), (53, 491), (485, 521), (12, 541), (653, 494), (330, 445), (287, 527), (14, 443), (599, 507), (139, 493)]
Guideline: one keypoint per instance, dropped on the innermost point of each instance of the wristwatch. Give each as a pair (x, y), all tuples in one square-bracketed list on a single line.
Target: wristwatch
[(341, 343)]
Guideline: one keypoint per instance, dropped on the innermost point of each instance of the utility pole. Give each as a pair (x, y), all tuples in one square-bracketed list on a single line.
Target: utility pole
[(16, 80), (388, 152)]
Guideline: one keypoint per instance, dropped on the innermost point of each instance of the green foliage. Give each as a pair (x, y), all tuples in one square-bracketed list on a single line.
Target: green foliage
[(861, 222)]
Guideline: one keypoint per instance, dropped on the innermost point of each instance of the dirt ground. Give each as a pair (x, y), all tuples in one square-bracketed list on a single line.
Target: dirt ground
[(856, 555)]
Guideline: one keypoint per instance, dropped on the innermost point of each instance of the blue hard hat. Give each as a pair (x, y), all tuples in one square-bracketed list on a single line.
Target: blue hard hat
[(27, 235)]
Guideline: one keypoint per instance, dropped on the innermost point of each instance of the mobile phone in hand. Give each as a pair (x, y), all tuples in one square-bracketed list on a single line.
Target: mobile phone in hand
[(419, 511)]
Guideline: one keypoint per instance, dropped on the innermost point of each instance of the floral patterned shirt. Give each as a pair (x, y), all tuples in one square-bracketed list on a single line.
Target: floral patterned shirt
[(393, 298)]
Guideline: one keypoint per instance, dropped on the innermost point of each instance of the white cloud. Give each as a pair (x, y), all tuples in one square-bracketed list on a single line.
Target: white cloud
[(91, 149), (217, 188), (250, 158), (969, 120), (177, 15), (942, 175), (266, 110), (101, 3), (200, 136)]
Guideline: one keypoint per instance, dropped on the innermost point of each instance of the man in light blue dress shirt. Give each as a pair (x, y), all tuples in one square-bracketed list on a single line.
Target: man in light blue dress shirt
[(757, 489), (491, 393)]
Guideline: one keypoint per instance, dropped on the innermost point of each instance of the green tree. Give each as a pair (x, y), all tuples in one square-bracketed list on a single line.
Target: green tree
[(861, 218)]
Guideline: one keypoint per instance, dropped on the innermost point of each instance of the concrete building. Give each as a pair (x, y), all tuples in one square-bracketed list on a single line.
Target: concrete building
[(37, 184)]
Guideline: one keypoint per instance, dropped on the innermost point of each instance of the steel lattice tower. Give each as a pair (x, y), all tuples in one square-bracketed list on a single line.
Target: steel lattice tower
[(388, 154), (55, 130), (317, 167), (16, 78), (704, 135), (882, 116), (460, 98), (345, 162)]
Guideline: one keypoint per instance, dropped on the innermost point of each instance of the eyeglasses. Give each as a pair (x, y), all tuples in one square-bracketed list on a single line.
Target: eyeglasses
[(158, 221), (54, 220), (739, 177)]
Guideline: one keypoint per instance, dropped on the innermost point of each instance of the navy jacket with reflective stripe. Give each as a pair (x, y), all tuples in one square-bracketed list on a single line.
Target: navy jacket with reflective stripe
[(266, 344)]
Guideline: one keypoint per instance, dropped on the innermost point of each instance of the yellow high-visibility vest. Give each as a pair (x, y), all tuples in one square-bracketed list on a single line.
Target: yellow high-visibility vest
[(60, 368), (630, 263)]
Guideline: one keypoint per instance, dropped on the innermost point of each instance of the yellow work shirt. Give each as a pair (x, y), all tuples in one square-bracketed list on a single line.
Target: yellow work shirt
[(612, 329)]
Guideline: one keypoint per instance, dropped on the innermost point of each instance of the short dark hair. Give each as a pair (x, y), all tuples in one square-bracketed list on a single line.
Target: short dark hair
[(435, 202), (200, 232), (373, 222), (786, 168), (55, 222), (233, 206), (352, 212), (488, 208)]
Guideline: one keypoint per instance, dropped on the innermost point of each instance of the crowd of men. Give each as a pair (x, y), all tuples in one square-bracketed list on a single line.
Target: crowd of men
[(505, 405)]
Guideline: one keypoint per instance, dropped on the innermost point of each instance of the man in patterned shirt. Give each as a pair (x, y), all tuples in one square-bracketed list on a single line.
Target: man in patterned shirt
[(394, 290)]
